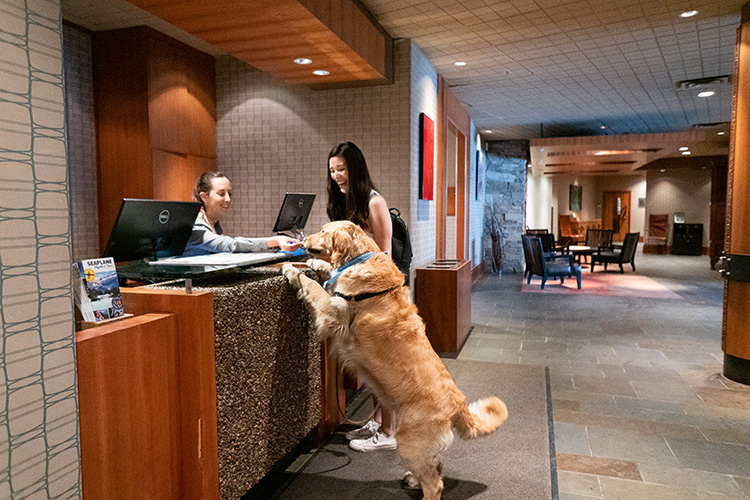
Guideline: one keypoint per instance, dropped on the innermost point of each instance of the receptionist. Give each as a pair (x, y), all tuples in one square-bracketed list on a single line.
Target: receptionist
[(214, 191)]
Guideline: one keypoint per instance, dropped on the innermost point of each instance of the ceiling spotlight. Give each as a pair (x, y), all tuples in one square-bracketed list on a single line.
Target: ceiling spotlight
[(603, 126), (720, 133), (686, 153), (662, 170), (689, 13), (684, 148), (460, 63), (321, 72), (302, 60), (706, 93), (488, 131)]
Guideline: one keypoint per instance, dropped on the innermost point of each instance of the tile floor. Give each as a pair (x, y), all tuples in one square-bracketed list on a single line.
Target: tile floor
[(641, 409)]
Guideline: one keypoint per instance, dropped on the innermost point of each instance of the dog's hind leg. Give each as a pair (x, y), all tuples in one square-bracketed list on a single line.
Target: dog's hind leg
[(427, 476), (421, 452)]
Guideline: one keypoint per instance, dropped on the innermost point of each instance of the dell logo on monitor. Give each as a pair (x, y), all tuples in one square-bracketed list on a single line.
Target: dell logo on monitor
[(164, 216)]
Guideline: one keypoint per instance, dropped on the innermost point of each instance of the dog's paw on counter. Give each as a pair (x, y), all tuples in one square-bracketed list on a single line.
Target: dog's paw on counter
[(291, 274), (321, 267)]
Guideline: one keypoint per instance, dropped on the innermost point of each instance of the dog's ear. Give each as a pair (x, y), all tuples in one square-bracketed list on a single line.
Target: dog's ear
[(341, 244)]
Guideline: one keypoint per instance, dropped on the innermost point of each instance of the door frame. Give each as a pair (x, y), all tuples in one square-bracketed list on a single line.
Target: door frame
[(608, 213), (450, 111)]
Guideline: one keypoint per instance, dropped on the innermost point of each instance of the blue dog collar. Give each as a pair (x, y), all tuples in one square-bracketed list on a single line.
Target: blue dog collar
[(356, 260)]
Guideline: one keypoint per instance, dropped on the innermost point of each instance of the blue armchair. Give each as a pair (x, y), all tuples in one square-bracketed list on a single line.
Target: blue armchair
[(560, 267), (620, 256)]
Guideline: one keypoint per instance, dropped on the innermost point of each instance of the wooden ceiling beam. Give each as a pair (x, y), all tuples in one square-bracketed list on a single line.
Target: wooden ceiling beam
[(269, 34)]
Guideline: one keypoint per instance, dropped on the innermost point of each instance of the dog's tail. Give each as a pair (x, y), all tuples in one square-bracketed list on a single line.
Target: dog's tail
[(480, 418)]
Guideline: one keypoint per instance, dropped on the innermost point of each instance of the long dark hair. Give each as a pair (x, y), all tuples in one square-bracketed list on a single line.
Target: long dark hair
[(354, 205), (204, 183)]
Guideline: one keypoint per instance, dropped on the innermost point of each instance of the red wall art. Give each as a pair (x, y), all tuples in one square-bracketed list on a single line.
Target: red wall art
[(426, 156)]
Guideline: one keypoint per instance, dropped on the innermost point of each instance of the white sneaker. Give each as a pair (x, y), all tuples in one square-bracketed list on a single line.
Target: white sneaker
[(364, 432), (378, 441)]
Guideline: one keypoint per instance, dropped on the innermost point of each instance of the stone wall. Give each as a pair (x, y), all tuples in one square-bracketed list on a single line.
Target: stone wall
[(505, 197)]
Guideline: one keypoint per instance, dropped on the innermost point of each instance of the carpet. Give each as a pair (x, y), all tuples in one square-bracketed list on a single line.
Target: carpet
[(514, 463), (605, 283)]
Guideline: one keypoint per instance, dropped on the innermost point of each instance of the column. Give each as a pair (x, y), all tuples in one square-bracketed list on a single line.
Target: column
[(736, 324)]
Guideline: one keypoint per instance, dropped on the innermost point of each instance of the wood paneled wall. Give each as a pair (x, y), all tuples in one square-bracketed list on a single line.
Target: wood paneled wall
[(155, 109)]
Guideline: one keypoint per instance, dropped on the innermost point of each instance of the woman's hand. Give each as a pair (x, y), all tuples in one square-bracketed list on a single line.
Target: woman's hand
[(286, 243)]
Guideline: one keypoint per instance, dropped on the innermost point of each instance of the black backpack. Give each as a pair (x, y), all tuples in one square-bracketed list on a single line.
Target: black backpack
[(400, 243)]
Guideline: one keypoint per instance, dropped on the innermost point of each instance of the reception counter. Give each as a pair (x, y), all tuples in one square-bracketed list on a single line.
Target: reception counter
[(246, 384)]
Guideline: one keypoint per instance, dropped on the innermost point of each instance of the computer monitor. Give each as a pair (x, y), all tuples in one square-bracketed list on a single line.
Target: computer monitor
[(294, 213), (151, 229)]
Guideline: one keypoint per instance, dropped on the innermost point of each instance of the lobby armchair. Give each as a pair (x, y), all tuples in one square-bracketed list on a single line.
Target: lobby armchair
[(619, 256), (597, 240), (559, 267)]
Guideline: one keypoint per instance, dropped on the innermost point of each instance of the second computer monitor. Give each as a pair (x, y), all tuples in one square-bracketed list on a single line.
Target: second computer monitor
[(294, 213)]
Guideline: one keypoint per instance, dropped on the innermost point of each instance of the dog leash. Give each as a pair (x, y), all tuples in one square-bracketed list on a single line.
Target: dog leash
[(342, 412)]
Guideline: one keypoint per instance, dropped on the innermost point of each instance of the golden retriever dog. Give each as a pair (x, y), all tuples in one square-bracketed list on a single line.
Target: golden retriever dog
[(377, 333)]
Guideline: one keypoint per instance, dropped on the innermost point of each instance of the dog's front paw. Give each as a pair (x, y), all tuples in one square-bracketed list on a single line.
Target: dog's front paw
[(320, 266), (291, 273)]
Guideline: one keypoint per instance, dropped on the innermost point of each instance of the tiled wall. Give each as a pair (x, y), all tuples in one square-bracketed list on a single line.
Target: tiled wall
[(81, 147), (423, 100), (38, 414), (274, 138)]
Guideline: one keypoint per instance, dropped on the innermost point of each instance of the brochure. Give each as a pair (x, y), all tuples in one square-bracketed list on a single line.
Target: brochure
[(97, 290)]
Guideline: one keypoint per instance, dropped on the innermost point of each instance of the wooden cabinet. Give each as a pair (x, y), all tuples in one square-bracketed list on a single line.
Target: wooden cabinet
[(155, 106), (442, 292), (129, 408)]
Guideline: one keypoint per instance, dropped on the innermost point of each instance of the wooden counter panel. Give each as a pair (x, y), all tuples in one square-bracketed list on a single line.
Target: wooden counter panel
[(129, 407), (197, 375)]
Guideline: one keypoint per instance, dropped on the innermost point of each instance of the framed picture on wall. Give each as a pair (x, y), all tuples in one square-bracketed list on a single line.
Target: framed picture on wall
[(426, 156), (576, 194)]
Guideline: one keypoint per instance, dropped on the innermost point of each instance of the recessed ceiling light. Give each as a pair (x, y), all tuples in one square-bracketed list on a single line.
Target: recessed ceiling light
[(686, 153), (303, 60), (460, 63), (321, 72), (720, 133), (488, 131), (684, 148), (662, 170), (689, 13), (707, 93), (607, 152), (603, 126)]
